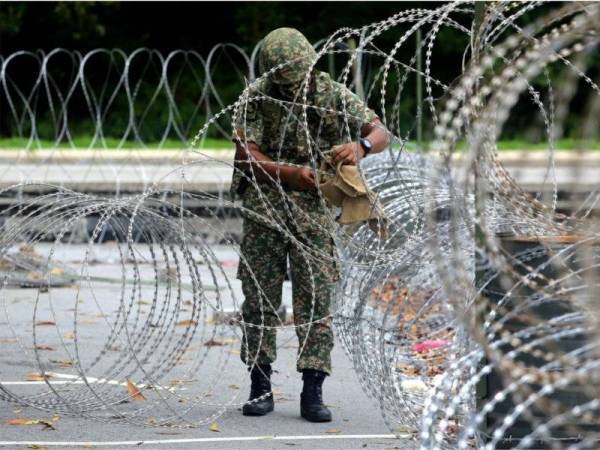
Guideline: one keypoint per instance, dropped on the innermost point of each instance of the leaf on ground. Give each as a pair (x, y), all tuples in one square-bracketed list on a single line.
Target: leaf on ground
[(333, 431), (230, 341), (178, 381), (186, 323), (213, 343), (62, 362), (87, 322), (37, 377), (69, 335), (234, 351), (27, 248), (42, 323), (37, 447), (143, 302), (215, 427), (233, 386), (134, 391), (22, 421), (45, 347), (8, 341)]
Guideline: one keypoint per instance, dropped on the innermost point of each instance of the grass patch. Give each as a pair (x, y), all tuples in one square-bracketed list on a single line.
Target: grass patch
[(561, 144), (509, 145), (85, 143)]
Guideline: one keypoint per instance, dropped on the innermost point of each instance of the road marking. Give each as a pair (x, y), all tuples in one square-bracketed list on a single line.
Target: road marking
[(76, 379), (200, 440)]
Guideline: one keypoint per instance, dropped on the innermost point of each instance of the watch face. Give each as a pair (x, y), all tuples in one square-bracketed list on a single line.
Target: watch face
[(366, 144)]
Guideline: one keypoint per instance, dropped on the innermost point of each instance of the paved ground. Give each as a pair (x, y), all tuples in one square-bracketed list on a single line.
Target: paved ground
[(215, 374)]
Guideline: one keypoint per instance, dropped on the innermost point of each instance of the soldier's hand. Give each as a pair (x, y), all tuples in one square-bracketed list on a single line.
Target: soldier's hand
[(349, 153), (303, 178)]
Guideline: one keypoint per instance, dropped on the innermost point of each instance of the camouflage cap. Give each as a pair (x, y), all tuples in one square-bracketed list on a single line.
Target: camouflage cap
[(284, 45)]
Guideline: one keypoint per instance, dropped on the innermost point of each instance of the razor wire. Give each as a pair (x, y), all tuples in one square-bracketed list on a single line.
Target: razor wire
[(473, 325)]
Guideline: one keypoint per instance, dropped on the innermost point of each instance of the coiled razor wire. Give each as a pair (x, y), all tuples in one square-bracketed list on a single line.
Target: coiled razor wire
[(473, 325)]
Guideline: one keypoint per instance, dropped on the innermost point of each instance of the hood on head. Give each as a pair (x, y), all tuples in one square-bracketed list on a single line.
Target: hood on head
[(286, 45)]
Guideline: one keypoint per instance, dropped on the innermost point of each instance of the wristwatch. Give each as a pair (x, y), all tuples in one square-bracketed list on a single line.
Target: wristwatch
[(366, 145)]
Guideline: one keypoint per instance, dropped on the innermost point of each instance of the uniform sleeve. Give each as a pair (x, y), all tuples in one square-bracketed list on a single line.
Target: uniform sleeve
[(248, 122), (356, 112)]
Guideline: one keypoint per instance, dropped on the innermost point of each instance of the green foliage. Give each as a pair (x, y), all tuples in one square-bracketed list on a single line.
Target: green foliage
[(199, 26), (82, 18), (11, 17)]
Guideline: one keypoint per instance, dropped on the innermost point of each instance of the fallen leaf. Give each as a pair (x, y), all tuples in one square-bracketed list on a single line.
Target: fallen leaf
[(62, 362), (234, 352), (48, 423), (230, 341), (37, 377), (45, 347), (69, 335), (8, 341), (27, 248), (22, 422), (87, 321), (405, 429), (215, 427), (37, 447), (102, 316), (143, 302), (176, 382), (333, 431), (233, 386), (34, 276), (213, 343), (134, 392), (186, 323), (42, 323)]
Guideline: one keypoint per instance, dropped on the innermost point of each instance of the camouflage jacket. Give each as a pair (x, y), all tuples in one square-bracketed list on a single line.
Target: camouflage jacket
[(334, 115)]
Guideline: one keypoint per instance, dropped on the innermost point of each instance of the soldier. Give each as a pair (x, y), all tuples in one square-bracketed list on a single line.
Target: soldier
[(284, 215)]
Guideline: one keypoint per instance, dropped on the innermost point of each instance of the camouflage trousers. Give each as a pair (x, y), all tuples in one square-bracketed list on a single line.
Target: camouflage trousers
[(263, 264)]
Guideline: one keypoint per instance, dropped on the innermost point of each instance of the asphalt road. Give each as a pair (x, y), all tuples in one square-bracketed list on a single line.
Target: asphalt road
[(216, 379)]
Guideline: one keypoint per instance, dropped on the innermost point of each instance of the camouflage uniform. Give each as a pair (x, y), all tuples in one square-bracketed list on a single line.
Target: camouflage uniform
[(280, 222)]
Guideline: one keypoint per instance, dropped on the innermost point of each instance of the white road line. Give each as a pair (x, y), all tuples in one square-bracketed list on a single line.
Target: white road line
[(75, 379), (199, 440)]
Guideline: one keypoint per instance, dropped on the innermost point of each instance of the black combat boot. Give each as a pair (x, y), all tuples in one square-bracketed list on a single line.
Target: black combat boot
[(311, 398), (261, 385)]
